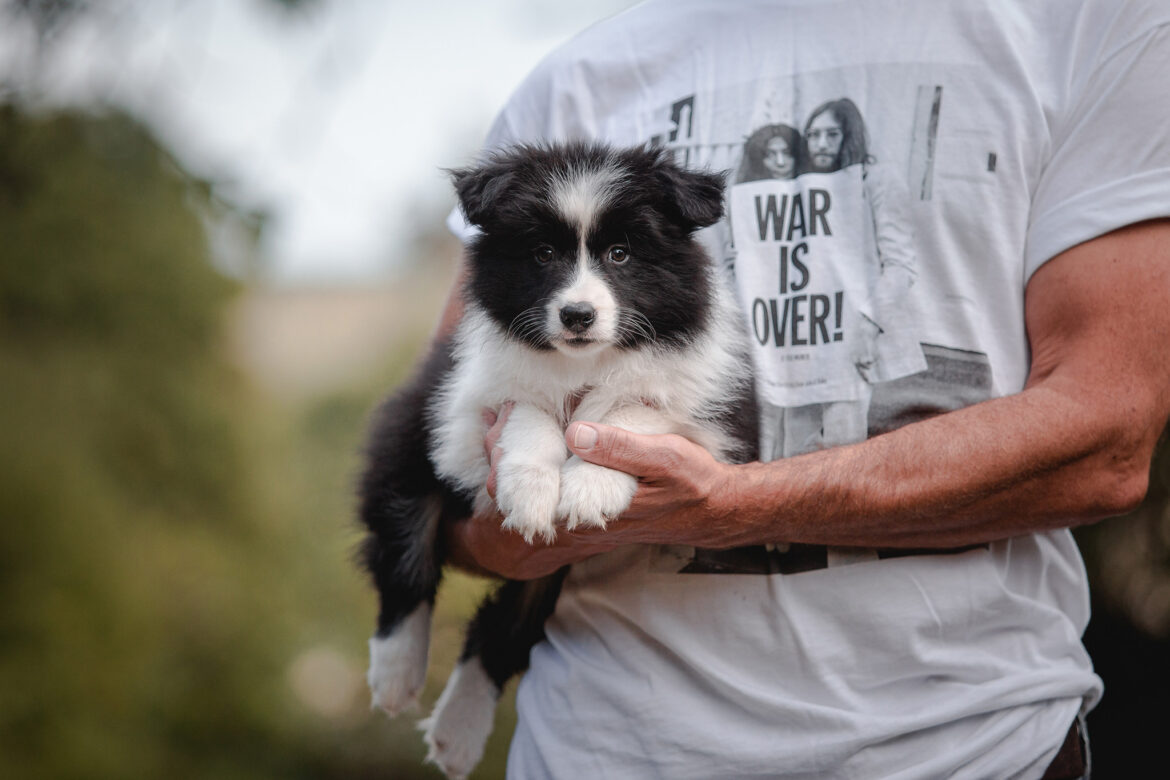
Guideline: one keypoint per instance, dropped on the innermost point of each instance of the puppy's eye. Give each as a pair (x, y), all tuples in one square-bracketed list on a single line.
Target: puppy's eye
[(618, 255), (543, 254)]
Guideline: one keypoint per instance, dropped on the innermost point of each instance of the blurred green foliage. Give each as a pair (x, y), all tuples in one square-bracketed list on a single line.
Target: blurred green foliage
[(176, 592)]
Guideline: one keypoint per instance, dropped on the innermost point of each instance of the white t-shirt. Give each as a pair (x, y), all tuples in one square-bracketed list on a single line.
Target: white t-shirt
[(1013, 130)]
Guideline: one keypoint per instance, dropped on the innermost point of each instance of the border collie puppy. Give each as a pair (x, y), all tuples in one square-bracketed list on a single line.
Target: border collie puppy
[(587, 299)]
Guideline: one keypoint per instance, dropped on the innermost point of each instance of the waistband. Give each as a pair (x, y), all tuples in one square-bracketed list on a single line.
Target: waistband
[(799, 558)]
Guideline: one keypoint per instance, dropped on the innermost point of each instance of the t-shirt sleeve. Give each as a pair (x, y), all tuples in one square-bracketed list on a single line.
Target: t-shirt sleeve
[(1110, 160)]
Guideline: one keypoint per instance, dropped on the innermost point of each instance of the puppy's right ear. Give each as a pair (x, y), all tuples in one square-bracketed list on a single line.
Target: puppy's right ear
[(480, 190)]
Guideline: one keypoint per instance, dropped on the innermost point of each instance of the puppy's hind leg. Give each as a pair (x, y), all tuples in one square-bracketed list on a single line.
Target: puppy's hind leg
[(402, 506), (499, 639), (406, 574), (461, 723)]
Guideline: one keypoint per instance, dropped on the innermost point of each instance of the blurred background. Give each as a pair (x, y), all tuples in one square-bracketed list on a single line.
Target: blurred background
[(221, 242)]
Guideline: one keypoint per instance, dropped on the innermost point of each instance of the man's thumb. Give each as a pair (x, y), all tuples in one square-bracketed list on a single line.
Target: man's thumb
[(607, 446)]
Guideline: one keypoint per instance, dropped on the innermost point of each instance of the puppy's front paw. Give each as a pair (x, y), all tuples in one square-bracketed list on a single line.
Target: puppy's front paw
[(591, 495), (527, 495)]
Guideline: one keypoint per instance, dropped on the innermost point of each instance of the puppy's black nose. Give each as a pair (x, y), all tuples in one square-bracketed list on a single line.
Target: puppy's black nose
[(577, 317)]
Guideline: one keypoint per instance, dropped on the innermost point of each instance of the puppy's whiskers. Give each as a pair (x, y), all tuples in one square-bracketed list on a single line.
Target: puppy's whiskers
[(632, 322), (528, 324)]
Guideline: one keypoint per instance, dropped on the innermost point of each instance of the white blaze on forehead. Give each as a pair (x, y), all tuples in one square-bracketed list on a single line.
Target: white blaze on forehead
[(581, 195), (586, 286)]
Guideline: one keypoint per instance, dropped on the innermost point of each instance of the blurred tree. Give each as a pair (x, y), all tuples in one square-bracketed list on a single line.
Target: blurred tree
[(174, 579), (124, 482)]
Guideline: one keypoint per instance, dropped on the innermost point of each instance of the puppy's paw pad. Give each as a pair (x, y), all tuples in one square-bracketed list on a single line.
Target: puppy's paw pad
[(531, 526), (459, 727), (398, 663), (394, 685), (455, 754), (591, 495), (528, 495)]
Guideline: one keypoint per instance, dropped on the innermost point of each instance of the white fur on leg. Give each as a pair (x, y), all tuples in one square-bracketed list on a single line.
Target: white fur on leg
[(528, 477), (462, 720), (592, 494), (527, 495), (398, 662)]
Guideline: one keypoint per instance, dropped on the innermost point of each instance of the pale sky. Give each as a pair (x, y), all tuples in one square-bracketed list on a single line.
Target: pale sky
[(337, 120)]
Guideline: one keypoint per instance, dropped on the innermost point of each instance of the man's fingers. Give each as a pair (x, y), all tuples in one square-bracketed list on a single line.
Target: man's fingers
[(495, 423), (494, 460), (495, 426), (616, 448)]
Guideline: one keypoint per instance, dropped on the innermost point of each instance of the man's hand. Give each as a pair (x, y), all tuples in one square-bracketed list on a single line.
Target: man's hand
[(684, 495), (481, 545)]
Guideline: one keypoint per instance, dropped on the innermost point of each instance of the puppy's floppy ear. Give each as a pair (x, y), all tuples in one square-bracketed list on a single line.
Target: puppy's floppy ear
[(696, 197), (480, 189)]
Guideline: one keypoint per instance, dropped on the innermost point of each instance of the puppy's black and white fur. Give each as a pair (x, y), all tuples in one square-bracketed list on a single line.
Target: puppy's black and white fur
[(587, 299)]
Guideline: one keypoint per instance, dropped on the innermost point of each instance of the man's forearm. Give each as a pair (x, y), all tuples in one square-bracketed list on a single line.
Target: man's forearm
[(1075, 446), (1013, 465)]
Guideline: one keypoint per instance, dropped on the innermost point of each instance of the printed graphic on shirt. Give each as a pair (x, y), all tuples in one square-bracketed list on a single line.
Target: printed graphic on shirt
[(828, 299), (821, 240), (803, 258)]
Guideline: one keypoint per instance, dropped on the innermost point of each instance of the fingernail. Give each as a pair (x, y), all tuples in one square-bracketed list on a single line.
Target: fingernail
[(585, 437)]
